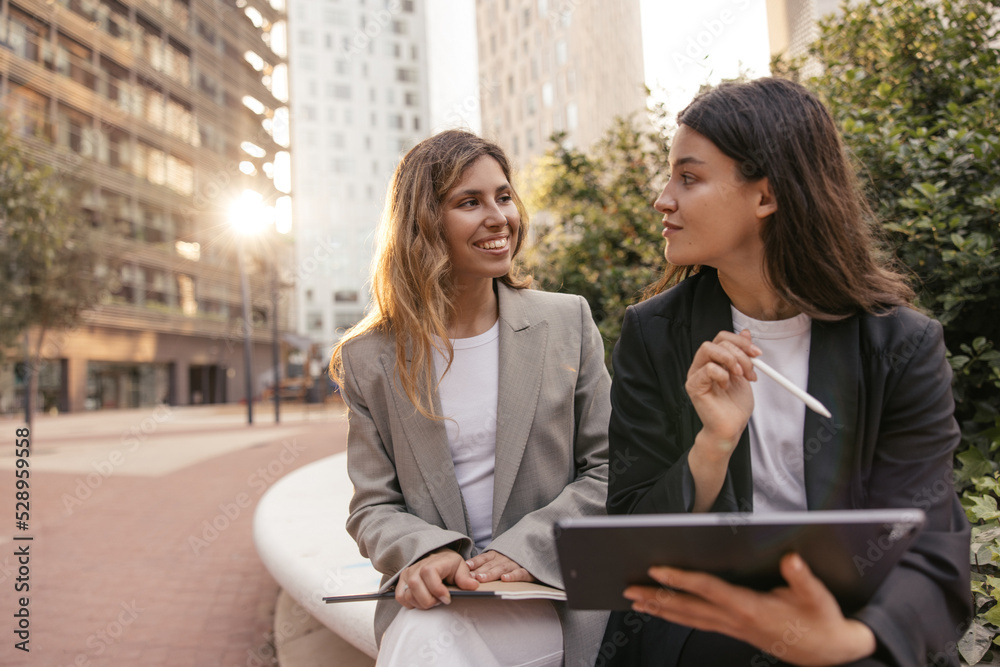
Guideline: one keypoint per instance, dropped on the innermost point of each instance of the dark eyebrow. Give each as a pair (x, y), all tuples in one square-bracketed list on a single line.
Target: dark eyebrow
[(688, 160)]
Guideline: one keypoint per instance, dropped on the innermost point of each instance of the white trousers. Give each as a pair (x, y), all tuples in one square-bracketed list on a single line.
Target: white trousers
[(475, 632)]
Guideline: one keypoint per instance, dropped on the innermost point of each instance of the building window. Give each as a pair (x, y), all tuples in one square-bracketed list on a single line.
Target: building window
[(560, 52), (571, 116), (335, 17), (27, 36), (27, 111), (345, 296), (73, 127), (406, 75)]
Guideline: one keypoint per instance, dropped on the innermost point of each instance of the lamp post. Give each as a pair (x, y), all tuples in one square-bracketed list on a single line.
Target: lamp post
[(247, 331), (247, 217), (250, 217), (275, 345)]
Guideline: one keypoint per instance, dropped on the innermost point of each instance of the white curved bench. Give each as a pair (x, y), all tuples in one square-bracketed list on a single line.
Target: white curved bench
[(299, 533)]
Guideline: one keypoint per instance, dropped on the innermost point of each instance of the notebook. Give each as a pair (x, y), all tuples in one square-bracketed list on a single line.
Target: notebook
[(503, 590)]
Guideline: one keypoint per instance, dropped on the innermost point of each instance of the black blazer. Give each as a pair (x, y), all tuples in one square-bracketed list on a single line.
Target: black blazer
[(890, 444)]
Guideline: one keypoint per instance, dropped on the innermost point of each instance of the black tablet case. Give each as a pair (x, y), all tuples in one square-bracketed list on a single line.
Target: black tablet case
[(851, 551)]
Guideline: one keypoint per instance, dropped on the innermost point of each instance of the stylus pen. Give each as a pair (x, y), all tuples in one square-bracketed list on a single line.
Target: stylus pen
[(813, 404)]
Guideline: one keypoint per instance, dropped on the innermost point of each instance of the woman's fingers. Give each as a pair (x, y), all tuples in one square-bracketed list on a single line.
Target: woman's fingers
[(517, 574), (492, 565), (423, 584), (677, 606), (419, 590), (730, 351), (803, 583)]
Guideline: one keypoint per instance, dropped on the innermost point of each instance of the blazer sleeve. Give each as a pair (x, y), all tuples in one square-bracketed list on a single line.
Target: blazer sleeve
[(529, 542), (924, 606), (653, 423), (385, 531)]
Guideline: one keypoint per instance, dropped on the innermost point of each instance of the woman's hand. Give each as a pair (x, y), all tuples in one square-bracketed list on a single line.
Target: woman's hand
[(423, 584), (718, 384), (492, 565), (802, 623)]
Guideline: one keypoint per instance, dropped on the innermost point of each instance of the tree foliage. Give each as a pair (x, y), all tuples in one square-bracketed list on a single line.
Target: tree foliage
[(915, 87), (598, 235), (48, 252)]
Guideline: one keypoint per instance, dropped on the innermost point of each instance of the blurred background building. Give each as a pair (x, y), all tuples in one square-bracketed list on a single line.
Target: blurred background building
[(359, 86), (792, 25), (557, 66), (164, 113)]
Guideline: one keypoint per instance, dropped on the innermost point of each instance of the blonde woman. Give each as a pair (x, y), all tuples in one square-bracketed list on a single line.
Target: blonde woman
[(478, 417)]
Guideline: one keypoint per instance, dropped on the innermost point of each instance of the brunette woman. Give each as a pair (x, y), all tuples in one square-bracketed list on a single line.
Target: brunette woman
[(772, 251)]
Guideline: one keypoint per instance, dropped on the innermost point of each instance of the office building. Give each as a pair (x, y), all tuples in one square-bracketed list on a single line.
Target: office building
[(792, 25), (165, 113), (359, 101), (557, 66)]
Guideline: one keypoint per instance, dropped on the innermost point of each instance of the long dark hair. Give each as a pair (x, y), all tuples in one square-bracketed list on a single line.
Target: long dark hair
[(821, 246)]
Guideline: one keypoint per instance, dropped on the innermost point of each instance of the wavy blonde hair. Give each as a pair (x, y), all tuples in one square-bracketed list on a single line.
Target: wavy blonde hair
[(411, 272)]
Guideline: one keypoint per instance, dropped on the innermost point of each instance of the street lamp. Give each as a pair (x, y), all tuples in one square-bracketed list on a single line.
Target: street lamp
[(248, 217)]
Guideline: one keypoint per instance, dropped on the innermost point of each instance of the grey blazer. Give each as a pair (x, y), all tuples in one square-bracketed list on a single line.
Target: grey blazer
[(551, 452)]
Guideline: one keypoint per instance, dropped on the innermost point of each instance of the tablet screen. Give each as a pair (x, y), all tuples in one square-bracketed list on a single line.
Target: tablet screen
[(851, 551)]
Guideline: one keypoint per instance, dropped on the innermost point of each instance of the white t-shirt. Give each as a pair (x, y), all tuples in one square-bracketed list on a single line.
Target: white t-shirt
[(468, 393), (778, 417)]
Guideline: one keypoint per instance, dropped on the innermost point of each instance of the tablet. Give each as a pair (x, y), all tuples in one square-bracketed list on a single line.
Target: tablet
[(851, 551)]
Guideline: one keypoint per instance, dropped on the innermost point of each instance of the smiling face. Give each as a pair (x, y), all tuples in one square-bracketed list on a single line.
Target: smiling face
[(481, 223), (711, 215)]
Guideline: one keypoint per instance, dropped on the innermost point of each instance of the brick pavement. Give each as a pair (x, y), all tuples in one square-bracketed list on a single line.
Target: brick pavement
[(151, 568)]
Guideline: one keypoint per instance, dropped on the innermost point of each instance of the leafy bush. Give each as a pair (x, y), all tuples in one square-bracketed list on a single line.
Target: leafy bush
[(915, 86), (597, 230)]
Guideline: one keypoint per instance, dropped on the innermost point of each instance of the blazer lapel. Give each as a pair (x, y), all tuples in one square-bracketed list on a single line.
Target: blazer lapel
[(834, 379), (522, 356), (428, 443)]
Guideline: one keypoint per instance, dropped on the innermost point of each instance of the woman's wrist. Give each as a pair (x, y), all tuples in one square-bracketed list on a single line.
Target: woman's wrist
[(713, 450), (858, 641), (709, 463)]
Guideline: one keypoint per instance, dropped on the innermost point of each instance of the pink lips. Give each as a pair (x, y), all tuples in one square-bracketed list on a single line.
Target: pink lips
[(669, 229)]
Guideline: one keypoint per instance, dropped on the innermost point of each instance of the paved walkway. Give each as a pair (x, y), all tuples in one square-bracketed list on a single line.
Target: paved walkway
[(142, 551)]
